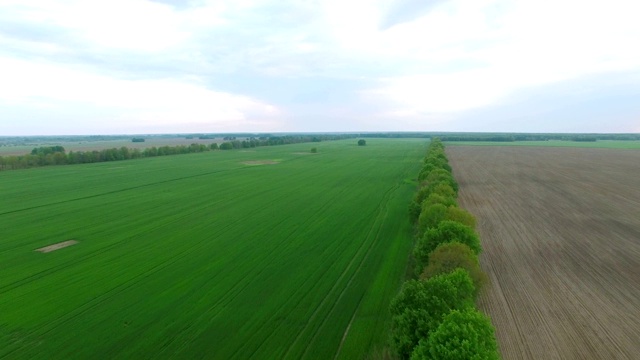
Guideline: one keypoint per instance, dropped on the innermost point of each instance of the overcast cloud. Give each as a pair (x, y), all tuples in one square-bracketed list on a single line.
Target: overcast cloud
[(134, 66)]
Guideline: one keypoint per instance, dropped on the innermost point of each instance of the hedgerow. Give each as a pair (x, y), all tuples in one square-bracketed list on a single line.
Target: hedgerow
[(433, 317)]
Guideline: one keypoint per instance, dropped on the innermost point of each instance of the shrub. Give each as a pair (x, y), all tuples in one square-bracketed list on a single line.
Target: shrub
[(414, 211), (451, 256)]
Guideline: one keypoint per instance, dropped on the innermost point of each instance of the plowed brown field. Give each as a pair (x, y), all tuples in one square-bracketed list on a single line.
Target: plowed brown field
[(561, 235)]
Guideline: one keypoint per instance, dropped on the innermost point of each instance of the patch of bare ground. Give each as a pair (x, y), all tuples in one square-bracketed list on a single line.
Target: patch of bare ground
[(57, 246), (560, 230), (261, 162)]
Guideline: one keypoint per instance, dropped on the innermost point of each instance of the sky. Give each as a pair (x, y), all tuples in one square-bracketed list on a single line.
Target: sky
[(77, 67)]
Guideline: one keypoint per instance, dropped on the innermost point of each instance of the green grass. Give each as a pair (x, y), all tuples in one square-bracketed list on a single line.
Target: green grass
[(604, 144), (201, 256)]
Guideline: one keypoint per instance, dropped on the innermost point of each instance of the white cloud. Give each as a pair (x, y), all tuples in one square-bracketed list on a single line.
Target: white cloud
[(507, 46), (457, 56), (138, 103)]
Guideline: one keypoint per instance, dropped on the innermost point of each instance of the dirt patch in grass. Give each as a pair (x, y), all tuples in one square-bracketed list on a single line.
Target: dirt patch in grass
[(560, 228), (261, 162), (57, 246)]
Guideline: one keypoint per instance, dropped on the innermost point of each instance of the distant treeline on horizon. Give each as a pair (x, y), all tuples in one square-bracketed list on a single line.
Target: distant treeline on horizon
[(444, 136), (57, 155)]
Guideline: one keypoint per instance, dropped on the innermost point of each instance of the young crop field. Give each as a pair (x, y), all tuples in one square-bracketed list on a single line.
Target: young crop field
[(560, 229), (268, 253)]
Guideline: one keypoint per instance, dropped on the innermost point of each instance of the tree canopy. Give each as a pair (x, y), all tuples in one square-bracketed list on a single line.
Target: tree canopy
[(421, 305), (445, 232), (451, 256), (463, 334)]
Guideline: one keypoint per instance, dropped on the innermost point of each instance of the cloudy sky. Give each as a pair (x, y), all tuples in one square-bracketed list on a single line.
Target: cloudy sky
[(170, 66)]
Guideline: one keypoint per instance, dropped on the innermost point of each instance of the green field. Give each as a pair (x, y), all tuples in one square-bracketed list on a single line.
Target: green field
[(605, 144), (202, 256)]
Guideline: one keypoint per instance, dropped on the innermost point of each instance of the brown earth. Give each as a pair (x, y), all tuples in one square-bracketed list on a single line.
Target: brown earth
[(560, 229), (261, 162), (57, 246)]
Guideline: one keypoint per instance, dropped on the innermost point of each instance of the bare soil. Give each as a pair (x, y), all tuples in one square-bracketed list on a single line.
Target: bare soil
[(57, 246), (561, 235), (261, 162)]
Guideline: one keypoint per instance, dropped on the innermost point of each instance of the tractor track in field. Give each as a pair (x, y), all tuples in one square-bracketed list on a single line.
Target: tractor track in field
[(327, 205), (132, 188), (560, 229), (88, 306), (254, 263), (368, 246), (219, 307)]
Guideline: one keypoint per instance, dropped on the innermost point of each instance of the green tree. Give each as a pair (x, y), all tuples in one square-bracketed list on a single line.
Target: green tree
[(446, 232), (314, 150), (462, 216), (430, 217), (362, 142), (463, 334), (442, 188), (442, 176), (438, 199), (226, 146), (421, 305), (451, 256)]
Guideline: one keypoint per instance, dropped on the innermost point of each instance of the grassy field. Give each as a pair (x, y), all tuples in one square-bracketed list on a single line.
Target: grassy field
[(604, 144), (203, 256), (560, 229)]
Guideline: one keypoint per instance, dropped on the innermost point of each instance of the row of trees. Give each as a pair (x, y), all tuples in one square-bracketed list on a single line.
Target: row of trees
[(535, 137), (434, 315), (57, 155), (253, 142)]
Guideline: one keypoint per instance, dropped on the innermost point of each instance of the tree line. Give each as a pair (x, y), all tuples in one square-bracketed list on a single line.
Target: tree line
[(504, 137), (434, 315), (253, 142), (57, 155)]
